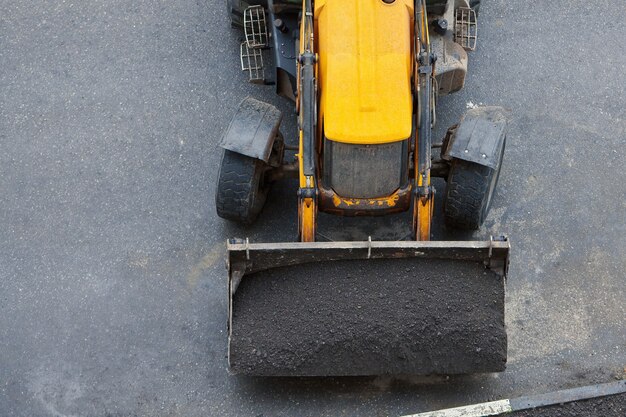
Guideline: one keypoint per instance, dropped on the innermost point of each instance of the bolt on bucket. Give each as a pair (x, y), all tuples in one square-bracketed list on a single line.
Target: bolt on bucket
[(367, 308)]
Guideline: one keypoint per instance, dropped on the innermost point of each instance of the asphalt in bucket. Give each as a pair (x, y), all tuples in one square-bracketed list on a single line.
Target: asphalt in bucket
[(369, 317)]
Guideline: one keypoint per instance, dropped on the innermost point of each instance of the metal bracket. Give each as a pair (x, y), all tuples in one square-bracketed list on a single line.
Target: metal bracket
[(307, 58), (497, 263), (427, 69), (307, 192), (424, 191)]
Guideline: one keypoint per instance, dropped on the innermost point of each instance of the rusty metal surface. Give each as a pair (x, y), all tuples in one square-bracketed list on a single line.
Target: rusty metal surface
[(330, 202)]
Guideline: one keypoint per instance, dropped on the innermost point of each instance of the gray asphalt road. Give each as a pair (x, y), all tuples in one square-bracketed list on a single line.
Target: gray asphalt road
[(112, 285)]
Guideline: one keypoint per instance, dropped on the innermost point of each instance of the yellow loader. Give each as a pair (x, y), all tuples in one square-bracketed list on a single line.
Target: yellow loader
[(365, 76)]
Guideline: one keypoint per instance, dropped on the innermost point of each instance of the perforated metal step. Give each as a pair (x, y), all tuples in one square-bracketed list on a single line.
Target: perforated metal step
[(255, 27), (466, 28), (252, 63)]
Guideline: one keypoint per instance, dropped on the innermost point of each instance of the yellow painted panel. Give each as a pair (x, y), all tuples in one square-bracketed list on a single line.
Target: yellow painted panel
[(365, 68)]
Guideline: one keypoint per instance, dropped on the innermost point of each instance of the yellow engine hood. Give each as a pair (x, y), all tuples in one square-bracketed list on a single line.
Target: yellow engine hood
[(364, 71)]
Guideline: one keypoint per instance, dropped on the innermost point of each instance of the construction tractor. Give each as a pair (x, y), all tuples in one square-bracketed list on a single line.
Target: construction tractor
[(365, 76)]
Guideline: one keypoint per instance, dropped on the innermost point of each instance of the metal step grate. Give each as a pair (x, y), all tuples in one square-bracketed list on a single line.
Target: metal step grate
[(255, 27), (252, 63), (466, 28)]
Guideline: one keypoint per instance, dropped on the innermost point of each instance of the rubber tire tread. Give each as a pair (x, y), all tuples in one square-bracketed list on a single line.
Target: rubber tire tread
[(467, 195), (238, 196)]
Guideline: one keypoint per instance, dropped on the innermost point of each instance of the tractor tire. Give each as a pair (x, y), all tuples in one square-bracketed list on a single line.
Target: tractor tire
[(469, 192), (241, 188)]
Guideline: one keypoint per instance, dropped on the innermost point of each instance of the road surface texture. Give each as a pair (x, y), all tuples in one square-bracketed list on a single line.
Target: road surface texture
[(613, 406), (112, 282)]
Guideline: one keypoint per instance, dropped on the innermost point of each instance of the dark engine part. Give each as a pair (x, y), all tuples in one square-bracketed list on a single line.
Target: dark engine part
[(365, 171)]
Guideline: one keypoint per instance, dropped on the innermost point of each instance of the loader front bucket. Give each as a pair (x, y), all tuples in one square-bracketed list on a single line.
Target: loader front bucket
[(367, 308)]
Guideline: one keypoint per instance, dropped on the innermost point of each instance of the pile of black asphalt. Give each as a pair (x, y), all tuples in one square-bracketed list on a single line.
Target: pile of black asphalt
[(367, 317)]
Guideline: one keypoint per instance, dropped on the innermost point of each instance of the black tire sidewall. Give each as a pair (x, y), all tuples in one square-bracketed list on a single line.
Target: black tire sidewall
[(249, 186), (259, 191), (473, 186), (492, 189)]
